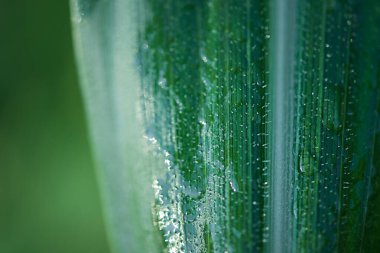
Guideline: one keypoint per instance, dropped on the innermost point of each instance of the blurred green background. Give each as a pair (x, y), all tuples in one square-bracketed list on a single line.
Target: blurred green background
[(49, 200)]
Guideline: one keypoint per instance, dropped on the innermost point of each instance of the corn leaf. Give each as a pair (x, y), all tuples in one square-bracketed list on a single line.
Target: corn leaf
[(261, 122)]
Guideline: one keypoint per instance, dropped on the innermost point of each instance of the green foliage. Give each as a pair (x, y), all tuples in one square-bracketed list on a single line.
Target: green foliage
[(48, 194), (261, 118)]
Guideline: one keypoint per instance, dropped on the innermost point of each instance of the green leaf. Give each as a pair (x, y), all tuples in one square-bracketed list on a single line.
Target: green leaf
[(261, 122), (104, 34)]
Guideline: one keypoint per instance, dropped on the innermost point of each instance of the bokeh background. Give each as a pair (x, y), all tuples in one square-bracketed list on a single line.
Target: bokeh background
[(49, 200)]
